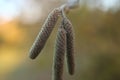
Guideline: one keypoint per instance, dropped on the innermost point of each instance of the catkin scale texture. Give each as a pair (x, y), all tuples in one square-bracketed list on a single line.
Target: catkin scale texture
[(59, 54), (70, 45), (44, 33)]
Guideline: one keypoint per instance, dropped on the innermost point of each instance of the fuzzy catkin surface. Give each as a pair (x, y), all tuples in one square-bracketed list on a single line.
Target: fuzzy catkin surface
[(70, 45), (44, 34), (59, 54)]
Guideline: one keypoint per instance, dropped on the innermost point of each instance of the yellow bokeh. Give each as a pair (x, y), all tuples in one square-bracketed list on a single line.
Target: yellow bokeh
[(10, 56), (11, 32)]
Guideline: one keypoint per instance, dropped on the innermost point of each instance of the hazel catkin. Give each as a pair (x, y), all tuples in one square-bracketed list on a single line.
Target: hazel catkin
[(59, 54), (69, 45), (44, 33)]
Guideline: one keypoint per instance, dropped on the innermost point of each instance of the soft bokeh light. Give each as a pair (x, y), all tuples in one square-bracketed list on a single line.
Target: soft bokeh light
[(8, 10), (108, 4), (27, 11), (31, 11)]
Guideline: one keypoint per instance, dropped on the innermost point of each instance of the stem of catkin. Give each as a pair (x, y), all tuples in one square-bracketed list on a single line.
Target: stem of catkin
[(44, 33), (59, 54)]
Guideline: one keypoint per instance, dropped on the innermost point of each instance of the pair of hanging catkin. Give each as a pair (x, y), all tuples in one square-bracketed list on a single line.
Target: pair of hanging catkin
[(64, 43)]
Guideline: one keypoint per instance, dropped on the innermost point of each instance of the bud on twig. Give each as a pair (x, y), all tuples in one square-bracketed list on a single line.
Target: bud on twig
[(72, 4)]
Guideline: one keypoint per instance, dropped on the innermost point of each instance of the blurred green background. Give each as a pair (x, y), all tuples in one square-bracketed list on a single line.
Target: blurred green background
[(97, 43)]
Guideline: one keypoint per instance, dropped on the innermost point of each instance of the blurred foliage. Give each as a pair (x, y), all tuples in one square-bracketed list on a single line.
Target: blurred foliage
[(97, 46)]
